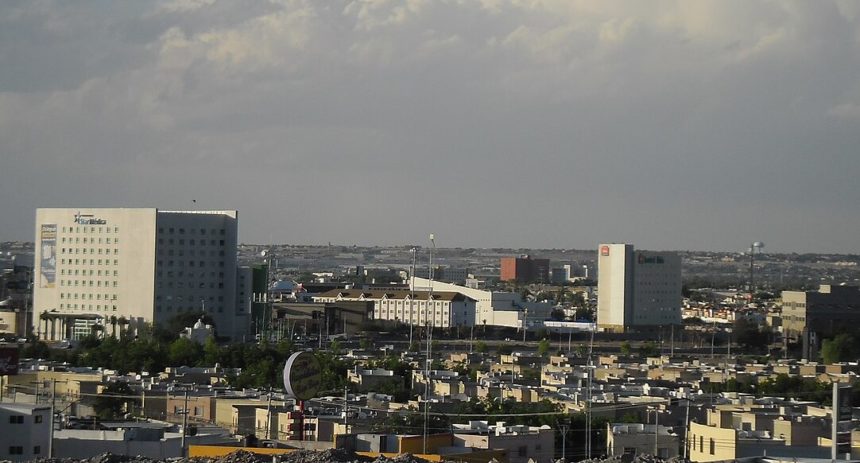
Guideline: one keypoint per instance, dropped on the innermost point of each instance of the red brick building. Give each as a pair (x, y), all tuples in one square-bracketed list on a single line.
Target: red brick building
[(524, 269)]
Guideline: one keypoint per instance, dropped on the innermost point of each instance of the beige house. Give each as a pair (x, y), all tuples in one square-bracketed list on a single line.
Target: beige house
[(637, 438), (520, 443)]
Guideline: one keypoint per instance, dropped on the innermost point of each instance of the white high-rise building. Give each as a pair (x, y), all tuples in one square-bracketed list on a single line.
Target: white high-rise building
[(637, 289), (141, 266)]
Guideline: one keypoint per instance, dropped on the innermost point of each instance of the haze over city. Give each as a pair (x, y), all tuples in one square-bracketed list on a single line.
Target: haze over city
[(673, 124)]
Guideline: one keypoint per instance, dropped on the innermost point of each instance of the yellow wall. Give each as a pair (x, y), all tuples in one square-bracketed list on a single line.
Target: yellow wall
[(704, 438), (415, 444)]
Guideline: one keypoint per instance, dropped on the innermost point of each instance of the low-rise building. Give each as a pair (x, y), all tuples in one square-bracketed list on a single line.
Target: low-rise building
[(520, 443), (638, 438), (24, 431)]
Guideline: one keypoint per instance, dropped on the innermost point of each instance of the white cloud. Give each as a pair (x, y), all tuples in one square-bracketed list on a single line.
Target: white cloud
[(577, 100)]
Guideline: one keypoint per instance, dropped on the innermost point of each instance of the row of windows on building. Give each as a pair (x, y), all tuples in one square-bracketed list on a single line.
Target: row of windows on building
[(91, 261), (191, 231), (19, 419), (388, 313), (170, 308), (190, 274), (90, 229), (102, 251), (90, 307), (181, 253), (77, 272), (85, 240), (89, 296), (89, 283), (191, 242), (19, 450), (181, 263), (189, 284)]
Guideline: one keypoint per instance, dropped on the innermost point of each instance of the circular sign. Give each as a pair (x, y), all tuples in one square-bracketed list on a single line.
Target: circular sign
[(302, 376)]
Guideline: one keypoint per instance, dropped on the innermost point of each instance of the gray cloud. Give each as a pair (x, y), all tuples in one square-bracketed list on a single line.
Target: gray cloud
[(673, 124)]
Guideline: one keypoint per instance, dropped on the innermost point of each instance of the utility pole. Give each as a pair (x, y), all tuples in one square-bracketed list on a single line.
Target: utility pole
[(431, 305), (525, 324), (51, 437), (687, 430), (412, 296), (672, 343), (655, 430), (268, 414), (184, 424), (346, 409), (471, 338), (588, 398), (563, 428)]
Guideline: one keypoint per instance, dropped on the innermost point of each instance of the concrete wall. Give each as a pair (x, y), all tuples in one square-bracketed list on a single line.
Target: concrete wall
[(708, 443), (30, 431)]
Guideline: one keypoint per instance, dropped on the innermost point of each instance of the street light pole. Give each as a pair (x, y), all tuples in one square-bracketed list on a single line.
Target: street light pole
[(53, 408), (412, 297), (430, 306), (525, 324)]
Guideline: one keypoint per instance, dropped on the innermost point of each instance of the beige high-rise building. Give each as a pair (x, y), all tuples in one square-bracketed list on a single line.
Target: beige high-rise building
[(637, 289), (141, 266)]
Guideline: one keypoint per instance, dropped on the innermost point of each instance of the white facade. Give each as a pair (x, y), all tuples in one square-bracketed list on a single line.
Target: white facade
[(145, 265), (25, 431), (446, 309), (495, 308), (637, 288)]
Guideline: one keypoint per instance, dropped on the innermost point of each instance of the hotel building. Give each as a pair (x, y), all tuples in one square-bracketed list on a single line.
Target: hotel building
[(637, 289), (142, 266)]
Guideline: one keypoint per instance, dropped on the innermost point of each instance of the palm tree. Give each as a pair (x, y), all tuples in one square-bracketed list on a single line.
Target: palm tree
[(123, 323), (113, 322), (96, 328)]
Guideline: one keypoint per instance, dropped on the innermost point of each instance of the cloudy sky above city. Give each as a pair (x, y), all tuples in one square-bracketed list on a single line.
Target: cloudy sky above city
[(682, 124)]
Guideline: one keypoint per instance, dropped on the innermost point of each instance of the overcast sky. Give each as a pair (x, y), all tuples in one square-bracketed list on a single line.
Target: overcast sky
[(682, 124)]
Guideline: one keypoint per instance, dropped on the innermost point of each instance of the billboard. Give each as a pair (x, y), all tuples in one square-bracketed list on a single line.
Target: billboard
[(48, 262), (8, 361), (302, 376)]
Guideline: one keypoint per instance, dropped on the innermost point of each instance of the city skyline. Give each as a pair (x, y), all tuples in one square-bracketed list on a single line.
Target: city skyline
[(675, 125)]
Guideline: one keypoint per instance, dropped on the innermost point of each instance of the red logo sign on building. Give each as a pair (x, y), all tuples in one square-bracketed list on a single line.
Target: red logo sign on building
[(604, 250)]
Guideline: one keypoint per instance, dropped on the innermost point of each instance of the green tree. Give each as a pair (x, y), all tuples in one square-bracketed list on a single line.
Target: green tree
[(648, 349), (748, 334), (211, 352), (625, 348), (481, 346), (113, 400), (841, 348), (543, 347), (184, 351)]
